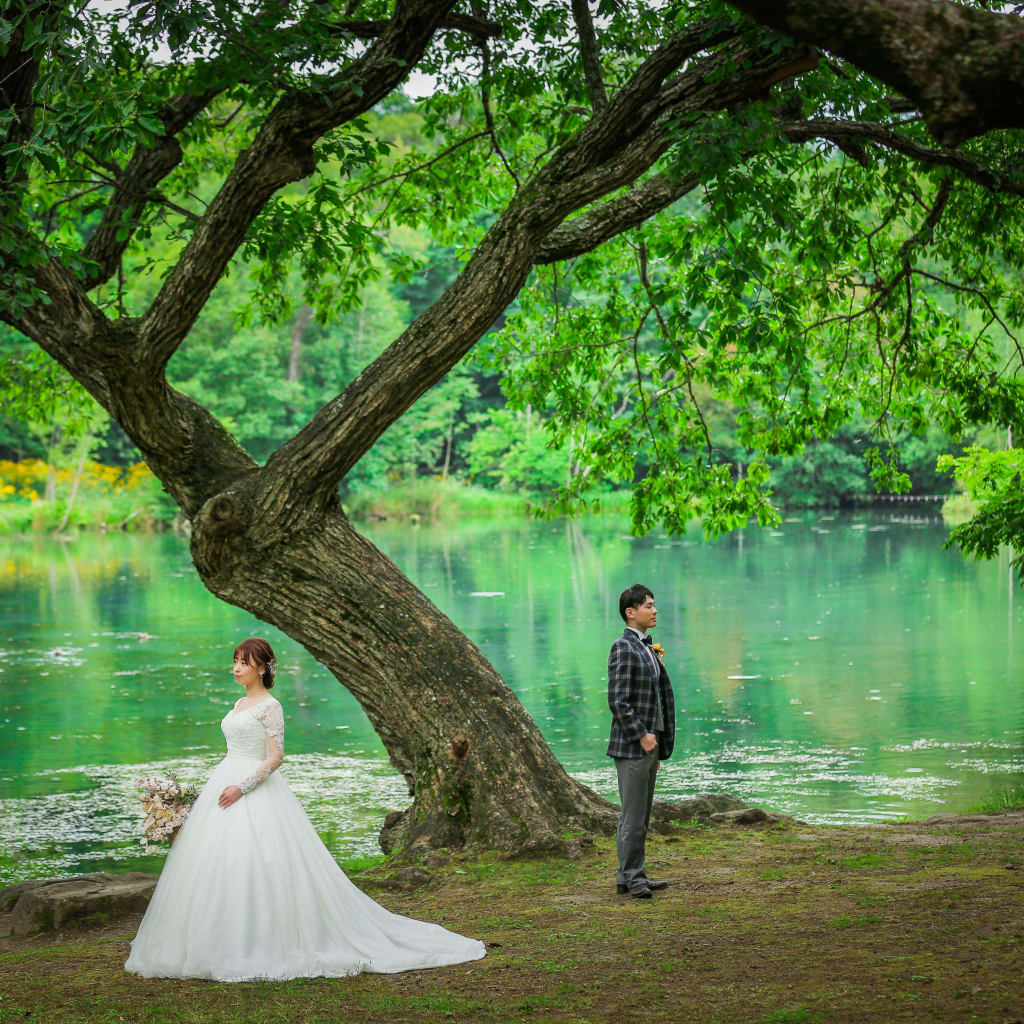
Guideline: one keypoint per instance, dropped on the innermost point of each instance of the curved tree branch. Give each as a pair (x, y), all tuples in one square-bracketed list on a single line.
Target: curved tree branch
[(69, 326), (605, 221), (133, 187), (187, 448), (727, 77), (869, 131), (282, 152), (647, 96), (962, 65), (600, 223), (121, 363)]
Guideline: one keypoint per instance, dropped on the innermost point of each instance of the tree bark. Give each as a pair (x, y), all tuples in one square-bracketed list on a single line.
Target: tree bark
[(962, 65), (611, 151), (589, 55), (133, 188)]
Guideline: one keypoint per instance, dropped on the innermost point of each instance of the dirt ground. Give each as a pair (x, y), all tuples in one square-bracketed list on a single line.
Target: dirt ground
[(898, 923)]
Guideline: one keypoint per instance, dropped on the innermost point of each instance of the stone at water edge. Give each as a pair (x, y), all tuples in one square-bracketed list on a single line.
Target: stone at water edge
[(407, 879), (753, 816), (1009, 818), (10, 894), (700, 808), (49, 905), (713, 809)]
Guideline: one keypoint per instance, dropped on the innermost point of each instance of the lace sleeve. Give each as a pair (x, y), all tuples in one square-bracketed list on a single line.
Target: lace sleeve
[(272, 717)]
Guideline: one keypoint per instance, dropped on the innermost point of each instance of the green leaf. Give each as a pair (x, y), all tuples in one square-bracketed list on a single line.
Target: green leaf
[(151, 123)]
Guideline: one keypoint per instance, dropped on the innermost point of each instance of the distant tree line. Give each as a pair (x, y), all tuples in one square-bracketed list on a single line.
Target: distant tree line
[(263, 379)]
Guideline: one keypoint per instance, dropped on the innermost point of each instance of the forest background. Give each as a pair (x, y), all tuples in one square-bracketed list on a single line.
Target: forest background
[(467, 446)]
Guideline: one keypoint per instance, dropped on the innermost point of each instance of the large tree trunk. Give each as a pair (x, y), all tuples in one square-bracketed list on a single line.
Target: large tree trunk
[(478, 769), (963, 66)]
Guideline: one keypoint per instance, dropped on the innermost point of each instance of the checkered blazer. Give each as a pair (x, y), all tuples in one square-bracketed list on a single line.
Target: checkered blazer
[(632, 692)]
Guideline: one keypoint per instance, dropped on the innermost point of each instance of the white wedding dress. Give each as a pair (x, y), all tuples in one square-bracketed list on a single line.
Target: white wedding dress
[(250, 891)]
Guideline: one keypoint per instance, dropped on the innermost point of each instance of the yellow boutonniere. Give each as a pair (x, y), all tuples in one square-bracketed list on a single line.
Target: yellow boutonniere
[(658, 650)]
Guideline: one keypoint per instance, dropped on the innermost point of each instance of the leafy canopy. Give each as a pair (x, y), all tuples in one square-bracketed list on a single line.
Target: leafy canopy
[(824, 261)]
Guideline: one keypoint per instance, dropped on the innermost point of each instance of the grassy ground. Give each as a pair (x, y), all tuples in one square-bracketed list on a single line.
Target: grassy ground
[(905, 923)]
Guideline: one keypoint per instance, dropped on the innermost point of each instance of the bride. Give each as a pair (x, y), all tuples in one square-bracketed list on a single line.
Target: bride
[(249, 891)]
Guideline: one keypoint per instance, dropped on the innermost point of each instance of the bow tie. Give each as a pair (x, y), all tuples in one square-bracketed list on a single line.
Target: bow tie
[(647, 640)]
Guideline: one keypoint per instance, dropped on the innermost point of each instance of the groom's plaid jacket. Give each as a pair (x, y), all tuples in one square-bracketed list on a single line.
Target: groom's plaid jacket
[(632, 692)]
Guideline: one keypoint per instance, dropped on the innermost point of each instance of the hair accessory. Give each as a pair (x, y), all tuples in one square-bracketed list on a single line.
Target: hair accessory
[(272, 664)]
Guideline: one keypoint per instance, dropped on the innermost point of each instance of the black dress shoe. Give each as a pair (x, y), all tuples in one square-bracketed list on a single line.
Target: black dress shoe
[(623, 889), (640, 891)]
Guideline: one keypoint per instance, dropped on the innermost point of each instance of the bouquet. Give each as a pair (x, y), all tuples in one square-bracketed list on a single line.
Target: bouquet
[(165, 804)]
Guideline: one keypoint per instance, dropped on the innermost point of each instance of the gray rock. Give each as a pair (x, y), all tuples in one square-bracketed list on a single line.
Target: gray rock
[(700, 808), (752, 816), (1011, 819), (391, 833), (403, 880), (413, 877), (10, 894), (53, 904), (747, 816)]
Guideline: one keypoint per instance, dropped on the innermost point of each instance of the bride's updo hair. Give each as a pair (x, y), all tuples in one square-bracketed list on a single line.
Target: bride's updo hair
[(257, 652)]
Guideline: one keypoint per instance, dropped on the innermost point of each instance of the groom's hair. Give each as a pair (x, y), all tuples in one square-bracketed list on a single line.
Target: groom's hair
[(633, 597)]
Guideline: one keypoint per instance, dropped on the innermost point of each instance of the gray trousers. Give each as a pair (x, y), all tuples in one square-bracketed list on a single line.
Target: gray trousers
[(636, 791)]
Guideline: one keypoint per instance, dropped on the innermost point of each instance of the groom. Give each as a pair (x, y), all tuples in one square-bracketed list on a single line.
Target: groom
[(643, 732)]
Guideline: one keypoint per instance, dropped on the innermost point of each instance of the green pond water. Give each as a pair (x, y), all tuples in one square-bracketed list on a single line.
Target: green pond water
[(839, 668)]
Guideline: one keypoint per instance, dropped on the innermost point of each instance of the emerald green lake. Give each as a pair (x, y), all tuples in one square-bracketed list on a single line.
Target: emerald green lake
[(840, 668)]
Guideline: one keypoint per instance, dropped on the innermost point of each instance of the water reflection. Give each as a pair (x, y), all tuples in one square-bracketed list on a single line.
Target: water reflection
[(839, 668)]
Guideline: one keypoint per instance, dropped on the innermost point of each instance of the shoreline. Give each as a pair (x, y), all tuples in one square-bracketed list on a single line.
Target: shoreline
[(670, 812), (130, 500)]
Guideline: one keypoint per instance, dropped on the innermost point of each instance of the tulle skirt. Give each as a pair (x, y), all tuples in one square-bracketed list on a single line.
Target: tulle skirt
[(250, 892)]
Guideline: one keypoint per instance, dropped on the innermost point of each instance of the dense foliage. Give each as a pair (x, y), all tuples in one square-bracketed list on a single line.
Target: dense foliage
[(821, 310)]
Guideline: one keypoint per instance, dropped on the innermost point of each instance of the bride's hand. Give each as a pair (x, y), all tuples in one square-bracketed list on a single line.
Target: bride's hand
[(229, 796)]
